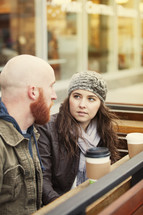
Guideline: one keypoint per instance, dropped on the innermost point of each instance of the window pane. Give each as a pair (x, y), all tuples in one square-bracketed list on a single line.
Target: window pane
[(128, 85), (63, 37), (100, 49), (17, 29), (141, 26), (127, 20), (100, 31)]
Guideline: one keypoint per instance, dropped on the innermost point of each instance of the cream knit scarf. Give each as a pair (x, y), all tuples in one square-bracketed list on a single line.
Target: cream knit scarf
[(90, 139)]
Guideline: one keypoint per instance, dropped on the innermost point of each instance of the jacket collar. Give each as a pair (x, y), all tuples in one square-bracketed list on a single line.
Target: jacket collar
[(10, 134), (5, 116)]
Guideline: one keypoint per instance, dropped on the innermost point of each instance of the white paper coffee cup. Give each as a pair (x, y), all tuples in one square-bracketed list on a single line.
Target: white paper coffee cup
[(134, 143), (97, 162)]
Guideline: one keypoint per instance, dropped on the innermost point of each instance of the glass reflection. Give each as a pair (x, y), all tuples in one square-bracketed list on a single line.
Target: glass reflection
[(100, 49), (17, 29), (125, 43), (127, 20), (141, 25), (62, 38), (100, 36)]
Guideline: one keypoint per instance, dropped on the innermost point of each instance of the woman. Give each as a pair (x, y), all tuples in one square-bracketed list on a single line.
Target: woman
[(83, 121)]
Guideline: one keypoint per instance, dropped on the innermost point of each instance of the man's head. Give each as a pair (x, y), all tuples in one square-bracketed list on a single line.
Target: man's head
[(27, 80)]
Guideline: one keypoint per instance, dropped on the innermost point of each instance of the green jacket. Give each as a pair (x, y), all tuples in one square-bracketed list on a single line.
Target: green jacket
[(20, 175)]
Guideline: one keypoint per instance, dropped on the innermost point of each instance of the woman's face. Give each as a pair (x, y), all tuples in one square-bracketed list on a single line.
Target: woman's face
[(83, 106)]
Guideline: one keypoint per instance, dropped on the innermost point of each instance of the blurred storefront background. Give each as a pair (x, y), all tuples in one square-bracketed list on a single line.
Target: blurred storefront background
[(79, 35)]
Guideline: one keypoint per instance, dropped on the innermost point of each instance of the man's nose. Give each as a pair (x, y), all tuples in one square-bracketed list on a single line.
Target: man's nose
[(54, 95)]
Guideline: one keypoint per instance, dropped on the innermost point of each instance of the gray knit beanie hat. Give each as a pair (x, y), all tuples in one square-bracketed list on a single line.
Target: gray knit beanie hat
[(91, 81)]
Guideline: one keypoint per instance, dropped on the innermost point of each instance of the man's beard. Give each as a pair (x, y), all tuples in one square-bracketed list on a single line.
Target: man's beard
[(40, 110)]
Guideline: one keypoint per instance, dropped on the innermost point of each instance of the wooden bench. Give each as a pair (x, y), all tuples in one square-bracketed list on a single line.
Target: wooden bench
[(130, 203), (108, 198), (128, 126), (130, 119)]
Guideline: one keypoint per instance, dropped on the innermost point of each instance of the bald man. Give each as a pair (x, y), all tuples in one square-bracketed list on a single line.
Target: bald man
[(26, 97)]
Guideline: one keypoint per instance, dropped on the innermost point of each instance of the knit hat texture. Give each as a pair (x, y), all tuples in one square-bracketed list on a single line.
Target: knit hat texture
[(91, 81)]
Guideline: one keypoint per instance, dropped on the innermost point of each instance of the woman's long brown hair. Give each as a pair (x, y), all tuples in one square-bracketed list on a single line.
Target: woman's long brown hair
[(68, 130)]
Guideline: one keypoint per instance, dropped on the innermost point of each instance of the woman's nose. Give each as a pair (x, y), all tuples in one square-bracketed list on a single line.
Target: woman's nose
[(82, 103)]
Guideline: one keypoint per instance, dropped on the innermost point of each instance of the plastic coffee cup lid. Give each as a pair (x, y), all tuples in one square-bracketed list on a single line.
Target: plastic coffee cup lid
[(97, 152)]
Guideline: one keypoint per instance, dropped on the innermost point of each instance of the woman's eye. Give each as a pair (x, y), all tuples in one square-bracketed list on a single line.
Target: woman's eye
[(76, 96), (91, 99)]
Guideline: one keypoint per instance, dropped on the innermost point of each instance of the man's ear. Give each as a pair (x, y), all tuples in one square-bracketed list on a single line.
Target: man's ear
[(33, 92)]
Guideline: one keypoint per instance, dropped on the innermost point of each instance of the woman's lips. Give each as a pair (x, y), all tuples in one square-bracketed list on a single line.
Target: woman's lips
[(81, 113)]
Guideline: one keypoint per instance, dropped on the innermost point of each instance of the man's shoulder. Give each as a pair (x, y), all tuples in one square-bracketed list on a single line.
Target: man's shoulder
[(5, 127), (9, 134)]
